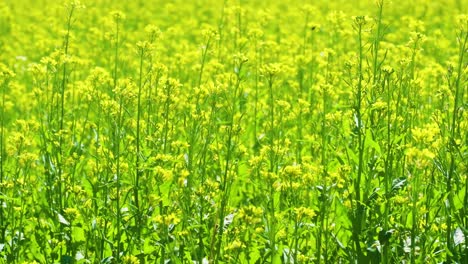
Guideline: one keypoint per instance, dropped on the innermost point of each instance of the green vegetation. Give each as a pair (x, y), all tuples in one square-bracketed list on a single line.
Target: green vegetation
[(233, 132)]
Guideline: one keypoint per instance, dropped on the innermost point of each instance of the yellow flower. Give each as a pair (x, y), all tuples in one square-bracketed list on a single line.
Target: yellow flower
[(304, 212), (250, 215), (270, 70), (71, 213), (130, 259), (234, 245), (167, 220), (5, 73), (443, 226)]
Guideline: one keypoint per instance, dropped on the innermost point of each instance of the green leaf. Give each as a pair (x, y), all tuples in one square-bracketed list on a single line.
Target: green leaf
[(62, 219), (370, 143), (78, 234)]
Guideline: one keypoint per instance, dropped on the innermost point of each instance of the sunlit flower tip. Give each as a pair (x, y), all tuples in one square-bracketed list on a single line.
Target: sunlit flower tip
[(255, 33), (75, 4), (209, 33), (462, 22), (293, 171), (130, 259), (360, 21), (304, 212), (281, 234), (307, 9), (270, 70), (5, 72), (284, 105), (71, 213), (240, 58), (152, 29), (443, 226), (379, 105), (118, 15), (387, 70), (144, 46), (174, 83), (234, 245), (417, 37)]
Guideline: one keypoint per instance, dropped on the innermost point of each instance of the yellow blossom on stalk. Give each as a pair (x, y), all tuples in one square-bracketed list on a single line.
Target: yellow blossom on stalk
[(347, 203), (303, 258), (153, 32), (255, 32), (255, 161), (302, 212), (387, 69), (443, 226), (118, 15), (269, 176), (154, 199), (126, 90), (426, 134), (270, 70), (27, 159), (75, 4), (281, 234), (400, 199), (293, 171), (163, 174), (71, 213), (234, 245), (421, 158), (361, 20), (278, 186), (167, 220), (379, 105), (250, 215), (5, 73), (334, 117), (144, 47), (130, 259), (209, 33)]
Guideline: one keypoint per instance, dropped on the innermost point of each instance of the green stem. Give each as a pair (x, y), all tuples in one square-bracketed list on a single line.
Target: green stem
[(2, 162), (378, 36), (116, 143), (388, 168), (360, 209), (138, 171)]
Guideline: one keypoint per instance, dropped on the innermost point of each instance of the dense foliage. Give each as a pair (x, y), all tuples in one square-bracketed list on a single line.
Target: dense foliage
[(233, 131)]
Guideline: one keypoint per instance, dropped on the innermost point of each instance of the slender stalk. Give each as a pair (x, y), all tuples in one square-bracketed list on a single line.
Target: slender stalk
[(2, 159), (324, 163), (273, 169), (388, 167), (118, 176), (63, 87), (376, 44), (255, 119), (138, 171), (117, 134), (359, 214)]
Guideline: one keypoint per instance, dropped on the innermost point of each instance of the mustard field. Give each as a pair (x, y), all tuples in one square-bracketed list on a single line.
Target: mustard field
[(233, 131)]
